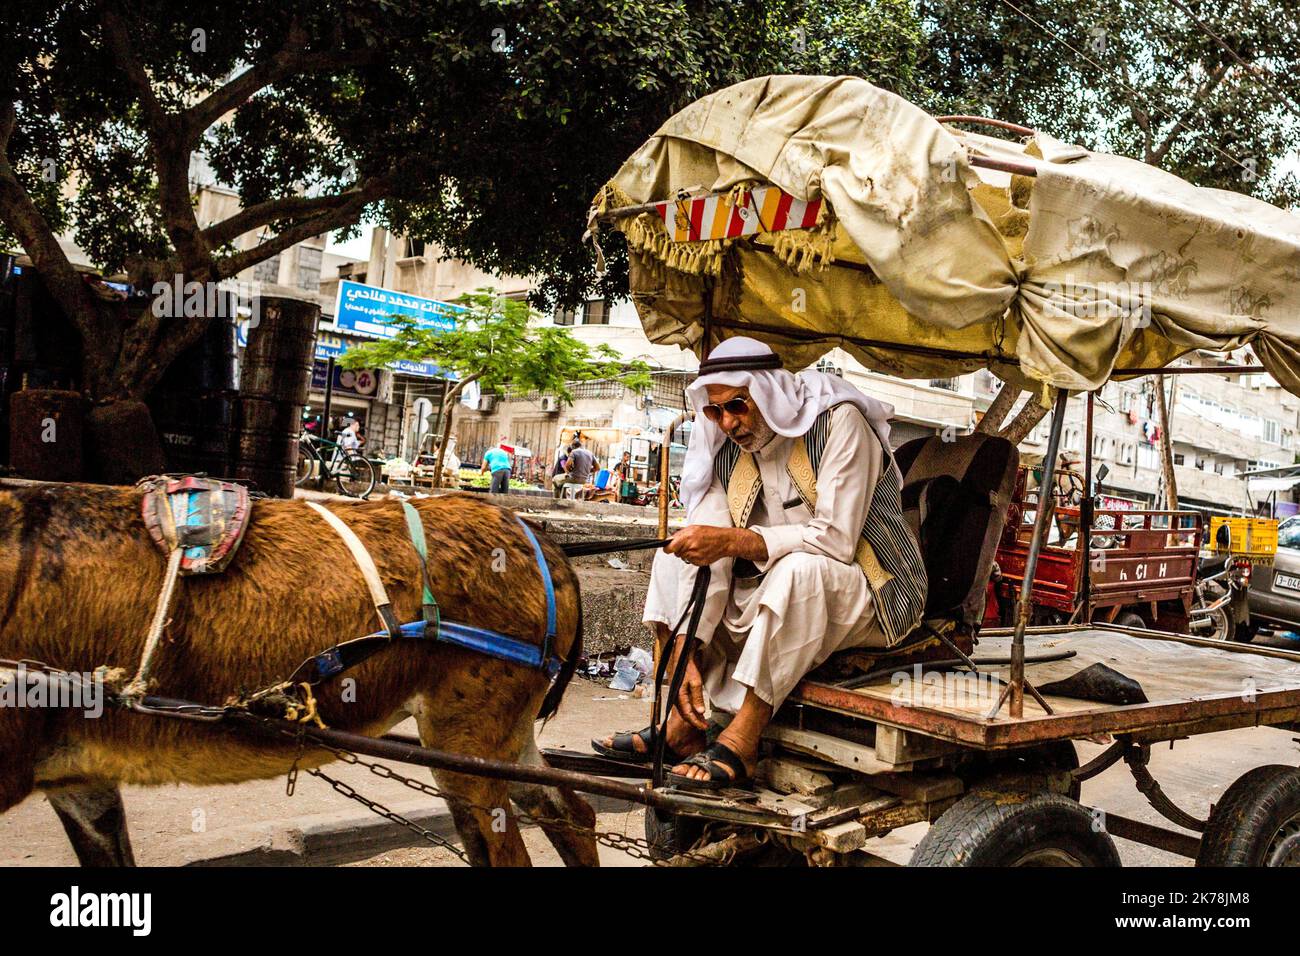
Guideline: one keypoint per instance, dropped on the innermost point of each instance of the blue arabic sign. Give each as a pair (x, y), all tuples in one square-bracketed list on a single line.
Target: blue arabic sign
[(329, 345), (368, 310)]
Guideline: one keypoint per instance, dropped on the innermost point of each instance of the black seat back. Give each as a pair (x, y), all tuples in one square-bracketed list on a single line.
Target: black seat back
[(955, 496)]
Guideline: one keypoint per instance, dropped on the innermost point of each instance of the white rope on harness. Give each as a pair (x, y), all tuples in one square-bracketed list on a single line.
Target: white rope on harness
[(138, 685), (363, 560)]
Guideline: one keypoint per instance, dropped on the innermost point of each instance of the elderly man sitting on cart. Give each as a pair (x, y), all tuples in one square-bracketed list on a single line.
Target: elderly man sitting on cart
[(794, 502)]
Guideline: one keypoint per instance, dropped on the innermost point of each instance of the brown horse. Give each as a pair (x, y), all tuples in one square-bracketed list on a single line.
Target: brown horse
[(79, 580)]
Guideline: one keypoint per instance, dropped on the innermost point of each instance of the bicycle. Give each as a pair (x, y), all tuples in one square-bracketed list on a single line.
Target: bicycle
[(353, 473)]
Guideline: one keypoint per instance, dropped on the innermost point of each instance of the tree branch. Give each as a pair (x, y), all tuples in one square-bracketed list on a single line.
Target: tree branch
[(261, 214), (238, 90), (336, 218), (171, 153), (1180, 125), (25, 219), (291, 59), (1140, 116)]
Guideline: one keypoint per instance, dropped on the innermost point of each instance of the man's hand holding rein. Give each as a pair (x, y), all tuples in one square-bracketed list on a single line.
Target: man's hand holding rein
[(701, 544)]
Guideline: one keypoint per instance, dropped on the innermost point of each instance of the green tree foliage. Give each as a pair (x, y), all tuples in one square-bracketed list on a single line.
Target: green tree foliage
[(486, 125), (501, 344)]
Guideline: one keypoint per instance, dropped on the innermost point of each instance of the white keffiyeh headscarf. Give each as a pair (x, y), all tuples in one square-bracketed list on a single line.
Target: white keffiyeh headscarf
[(789, 403)]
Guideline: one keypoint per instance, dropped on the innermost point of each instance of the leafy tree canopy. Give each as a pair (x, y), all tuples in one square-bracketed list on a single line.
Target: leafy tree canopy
[(501, 343)]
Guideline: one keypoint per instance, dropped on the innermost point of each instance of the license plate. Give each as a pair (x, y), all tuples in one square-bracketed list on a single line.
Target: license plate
[(1288, 581)]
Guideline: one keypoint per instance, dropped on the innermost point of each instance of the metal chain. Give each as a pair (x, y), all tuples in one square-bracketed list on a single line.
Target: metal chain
[(635, 847), (376, 807)]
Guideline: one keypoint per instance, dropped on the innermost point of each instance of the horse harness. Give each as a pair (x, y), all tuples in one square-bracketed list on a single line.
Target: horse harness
[(199, 523)]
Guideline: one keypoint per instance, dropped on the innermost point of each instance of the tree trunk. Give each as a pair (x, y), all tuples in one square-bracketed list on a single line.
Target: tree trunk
[(1167, 443), (448, 407), (1030, 415), (998, 410)]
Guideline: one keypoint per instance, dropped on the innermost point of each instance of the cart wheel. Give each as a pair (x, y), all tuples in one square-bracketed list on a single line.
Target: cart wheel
[(1006, 828), (1256, 822), (1130, 619), (670, 833)]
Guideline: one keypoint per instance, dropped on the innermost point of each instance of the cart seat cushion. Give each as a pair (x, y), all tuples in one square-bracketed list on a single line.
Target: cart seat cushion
[(955, 496)]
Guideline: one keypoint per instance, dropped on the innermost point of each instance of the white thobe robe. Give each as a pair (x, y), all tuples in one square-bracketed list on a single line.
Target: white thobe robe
[(813, 600)]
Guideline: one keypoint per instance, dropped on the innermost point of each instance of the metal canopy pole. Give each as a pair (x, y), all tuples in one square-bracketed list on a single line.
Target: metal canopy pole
[(1015, 689), (1085, 520)]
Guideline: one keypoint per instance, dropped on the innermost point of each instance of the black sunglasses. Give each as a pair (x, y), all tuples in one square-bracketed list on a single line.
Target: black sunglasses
[(734, 407)]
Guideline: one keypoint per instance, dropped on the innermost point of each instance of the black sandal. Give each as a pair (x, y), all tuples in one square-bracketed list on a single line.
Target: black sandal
[(624, 751), (714, 759)]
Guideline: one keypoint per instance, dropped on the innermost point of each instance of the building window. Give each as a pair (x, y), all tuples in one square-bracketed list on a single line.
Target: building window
[(309, 261), (268, 270), (414, 247), (566, 316), (1272, 433), (596, 312), (1179, 458)]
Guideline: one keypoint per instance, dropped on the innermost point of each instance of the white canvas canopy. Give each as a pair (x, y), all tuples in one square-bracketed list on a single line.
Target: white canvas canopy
[(921, 264)]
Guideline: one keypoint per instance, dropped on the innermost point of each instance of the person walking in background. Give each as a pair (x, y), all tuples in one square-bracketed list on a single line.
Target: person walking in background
[(557, 471), (626, 485), (580, 465), (497, 460), (350, 437)]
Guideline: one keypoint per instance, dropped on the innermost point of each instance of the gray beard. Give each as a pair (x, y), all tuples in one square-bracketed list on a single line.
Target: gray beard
[(759, 439)]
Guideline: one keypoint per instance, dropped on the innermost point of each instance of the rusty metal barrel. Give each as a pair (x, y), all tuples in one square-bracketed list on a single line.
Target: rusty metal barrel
[(45, 434), (194, 405), (274, 381)]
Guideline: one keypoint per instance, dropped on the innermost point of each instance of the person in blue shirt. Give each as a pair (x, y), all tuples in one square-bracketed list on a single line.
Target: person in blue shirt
[(497, 460)]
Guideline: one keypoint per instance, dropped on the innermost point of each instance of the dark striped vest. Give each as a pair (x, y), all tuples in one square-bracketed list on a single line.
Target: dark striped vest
[(887, 552)]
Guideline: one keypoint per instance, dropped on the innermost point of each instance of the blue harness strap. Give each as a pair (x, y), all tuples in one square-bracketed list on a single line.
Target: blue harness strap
[(348, 654), (545, 570)]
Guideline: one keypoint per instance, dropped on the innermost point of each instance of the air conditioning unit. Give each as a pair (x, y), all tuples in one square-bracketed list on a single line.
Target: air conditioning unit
[(487, 403), (550, 403)]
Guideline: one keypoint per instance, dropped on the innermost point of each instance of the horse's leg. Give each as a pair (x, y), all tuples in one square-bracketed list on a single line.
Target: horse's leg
[(480, 807), (22, 731), (559, 806), (95, 821)]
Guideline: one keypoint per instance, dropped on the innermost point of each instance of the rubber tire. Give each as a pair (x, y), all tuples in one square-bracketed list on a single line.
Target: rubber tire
[(1248, 816), (1130, 619), (308, 455), (362, 464), (670, 833), (998, 827)]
